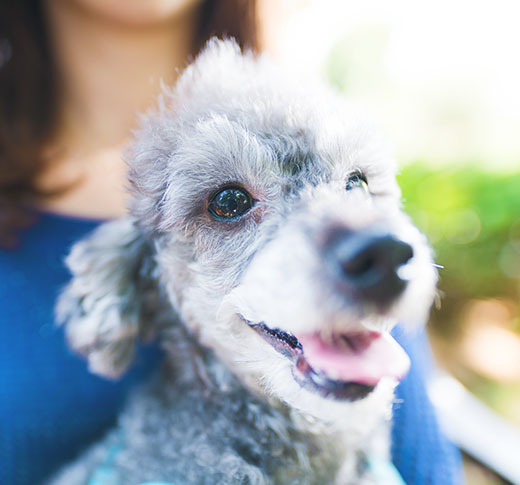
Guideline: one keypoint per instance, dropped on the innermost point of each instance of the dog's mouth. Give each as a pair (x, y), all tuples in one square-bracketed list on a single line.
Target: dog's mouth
[(346, 367)]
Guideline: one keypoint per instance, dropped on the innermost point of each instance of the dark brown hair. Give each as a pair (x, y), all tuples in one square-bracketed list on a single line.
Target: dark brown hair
[(29, 93)]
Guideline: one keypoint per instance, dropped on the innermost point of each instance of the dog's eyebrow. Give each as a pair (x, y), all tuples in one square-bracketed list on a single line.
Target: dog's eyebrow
[(295, 163), (294, 151)]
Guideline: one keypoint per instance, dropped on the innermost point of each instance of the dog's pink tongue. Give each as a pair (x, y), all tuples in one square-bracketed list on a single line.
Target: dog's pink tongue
[(369, 357)]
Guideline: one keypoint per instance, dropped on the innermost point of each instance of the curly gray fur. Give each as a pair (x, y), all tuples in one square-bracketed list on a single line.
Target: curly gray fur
[(114, 297), (188, 428)]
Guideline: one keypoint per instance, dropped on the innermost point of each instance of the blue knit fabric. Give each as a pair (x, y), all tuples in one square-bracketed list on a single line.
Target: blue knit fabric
[(420, 451), (51, 407)]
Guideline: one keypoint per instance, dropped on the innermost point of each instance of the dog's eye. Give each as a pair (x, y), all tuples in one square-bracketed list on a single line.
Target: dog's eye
[(357, 180), (230, 203)]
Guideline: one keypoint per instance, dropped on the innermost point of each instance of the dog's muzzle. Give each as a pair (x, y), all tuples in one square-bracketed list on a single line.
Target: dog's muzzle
[(364, 268)]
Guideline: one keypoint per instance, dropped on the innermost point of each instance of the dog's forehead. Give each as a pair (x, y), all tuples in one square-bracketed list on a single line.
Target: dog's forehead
[(227, 98), (236, 118)]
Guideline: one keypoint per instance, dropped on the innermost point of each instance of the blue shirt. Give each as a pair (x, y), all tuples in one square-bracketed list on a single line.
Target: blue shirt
[(51, 407)]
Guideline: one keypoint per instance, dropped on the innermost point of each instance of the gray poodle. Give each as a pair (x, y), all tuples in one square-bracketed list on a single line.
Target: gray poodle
[(266, 247)]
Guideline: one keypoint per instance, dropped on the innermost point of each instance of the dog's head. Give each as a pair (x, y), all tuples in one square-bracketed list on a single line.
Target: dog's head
[(270, 215)]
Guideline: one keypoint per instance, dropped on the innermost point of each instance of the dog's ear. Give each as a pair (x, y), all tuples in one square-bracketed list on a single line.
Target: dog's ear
[(112, 298)]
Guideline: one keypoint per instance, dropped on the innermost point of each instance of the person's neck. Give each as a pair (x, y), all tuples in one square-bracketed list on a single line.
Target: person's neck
[(109, 72)]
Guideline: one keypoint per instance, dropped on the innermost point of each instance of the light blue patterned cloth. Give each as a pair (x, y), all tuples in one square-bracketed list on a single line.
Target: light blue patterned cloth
[(384, 472)]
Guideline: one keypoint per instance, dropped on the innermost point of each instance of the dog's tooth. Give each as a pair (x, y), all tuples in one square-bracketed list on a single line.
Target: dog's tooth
[(327, 336)]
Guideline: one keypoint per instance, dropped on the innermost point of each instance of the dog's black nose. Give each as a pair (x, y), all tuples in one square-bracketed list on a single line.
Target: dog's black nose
[(367, 264)]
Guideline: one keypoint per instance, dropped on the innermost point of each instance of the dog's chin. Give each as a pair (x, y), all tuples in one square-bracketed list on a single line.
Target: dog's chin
[(345, 367)]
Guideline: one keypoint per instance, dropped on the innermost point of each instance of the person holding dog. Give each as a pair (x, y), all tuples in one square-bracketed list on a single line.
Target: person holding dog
[(73, 75)]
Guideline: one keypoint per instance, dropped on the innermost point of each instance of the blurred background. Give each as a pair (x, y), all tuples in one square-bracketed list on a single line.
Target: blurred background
[(442, 79)]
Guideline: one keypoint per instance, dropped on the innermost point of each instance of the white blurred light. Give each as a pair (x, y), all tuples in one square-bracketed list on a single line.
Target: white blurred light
[(442, 77)]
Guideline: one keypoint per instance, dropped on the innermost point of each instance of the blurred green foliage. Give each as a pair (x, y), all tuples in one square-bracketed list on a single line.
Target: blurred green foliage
[(471, 216)]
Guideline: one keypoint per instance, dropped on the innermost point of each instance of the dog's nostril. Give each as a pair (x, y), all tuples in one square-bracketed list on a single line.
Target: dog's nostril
[(368, 264), (359, 266), (402, 253)]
